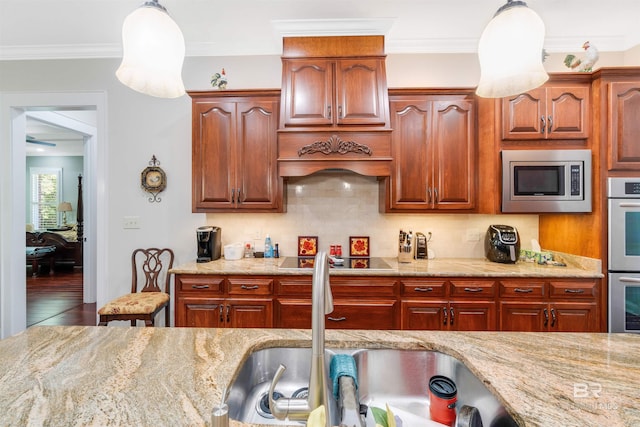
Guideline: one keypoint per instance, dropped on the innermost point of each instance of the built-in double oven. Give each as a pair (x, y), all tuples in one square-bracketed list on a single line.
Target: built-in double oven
[(624, 254)]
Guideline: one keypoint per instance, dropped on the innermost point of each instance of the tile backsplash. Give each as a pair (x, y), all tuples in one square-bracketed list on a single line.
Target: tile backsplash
[(334, 205)]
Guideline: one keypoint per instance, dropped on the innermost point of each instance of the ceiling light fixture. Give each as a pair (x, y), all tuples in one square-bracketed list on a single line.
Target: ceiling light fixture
[(153, 52), (510, 52)]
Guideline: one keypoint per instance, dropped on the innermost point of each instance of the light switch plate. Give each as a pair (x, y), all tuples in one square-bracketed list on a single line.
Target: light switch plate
[(131, 222)]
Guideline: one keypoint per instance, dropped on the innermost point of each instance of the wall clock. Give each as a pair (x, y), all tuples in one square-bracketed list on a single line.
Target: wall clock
[(153, 179)]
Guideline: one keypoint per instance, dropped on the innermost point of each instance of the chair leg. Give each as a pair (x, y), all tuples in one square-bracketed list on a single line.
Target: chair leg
[(102, 322), (167, 319)]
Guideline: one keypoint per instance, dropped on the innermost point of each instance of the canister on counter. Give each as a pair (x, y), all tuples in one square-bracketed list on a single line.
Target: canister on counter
[(443, 395)]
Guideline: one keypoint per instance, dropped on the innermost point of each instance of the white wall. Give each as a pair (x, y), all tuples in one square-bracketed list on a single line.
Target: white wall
[(140, 126)]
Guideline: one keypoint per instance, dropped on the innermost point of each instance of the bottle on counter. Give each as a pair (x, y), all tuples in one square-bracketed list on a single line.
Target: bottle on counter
[(276, 251), (268, 247)]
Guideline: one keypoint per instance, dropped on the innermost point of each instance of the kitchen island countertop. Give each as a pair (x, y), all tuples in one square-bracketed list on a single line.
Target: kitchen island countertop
[(116, 376), (576, 267)]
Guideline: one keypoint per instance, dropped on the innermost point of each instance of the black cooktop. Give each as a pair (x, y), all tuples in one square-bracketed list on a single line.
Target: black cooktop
[(349, 263)]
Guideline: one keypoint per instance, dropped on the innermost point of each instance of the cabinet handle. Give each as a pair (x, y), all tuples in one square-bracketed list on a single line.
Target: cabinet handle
[(329, 111), (546, 317), (550, 120), (476, 289), (553, 317), (435, 195), (573, 291), (238, 197), (340, 111), (233, 195), (544, 124), (428, 195), (249, 288), (228, 313), (337, 319), (451, 321), (429, 289), (523, 290), (444, 310), (221, 316), (199, 286)]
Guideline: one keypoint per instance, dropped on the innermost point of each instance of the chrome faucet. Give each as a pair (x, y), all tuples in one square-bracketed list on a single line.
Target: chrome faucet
[(322, 303)]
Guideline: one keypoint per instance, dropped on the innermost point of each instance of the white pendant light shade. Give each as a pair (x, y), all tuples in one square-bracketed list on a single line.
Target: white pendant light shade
[(510, 52), (153, 52)]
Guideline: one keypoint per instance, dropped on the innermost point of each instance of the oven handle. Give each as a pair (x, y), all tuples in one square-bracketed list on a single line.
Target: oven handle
[(629, 205), (629, 279)]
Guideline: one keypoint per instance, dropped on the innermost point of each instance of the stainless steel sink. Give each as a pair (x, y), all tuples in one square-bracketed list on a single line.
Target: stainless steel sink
[(399, 378)]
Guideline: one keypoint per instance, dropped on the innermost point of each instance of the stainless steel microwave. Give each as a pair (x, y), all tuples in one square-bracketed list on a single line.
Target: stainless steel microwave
[(538, 181)]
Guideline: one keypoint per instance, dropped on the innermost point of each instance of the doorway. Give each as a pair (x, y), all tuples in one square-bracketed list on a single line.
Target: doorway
[(12, 243)]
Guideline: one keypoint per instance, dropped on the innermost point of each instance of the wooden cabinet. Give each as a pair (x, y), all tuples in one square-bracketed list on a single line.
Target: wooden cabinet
[(334, 92), (554, 306), (553, 111), (215, 301), (234, 151), (434, 152), (623, 147), (358, 303), (456, 305)]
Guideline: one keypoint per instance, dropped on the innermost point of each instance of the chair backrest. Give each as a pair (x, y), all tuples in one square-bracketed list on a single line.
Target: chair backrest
[(150, 270)]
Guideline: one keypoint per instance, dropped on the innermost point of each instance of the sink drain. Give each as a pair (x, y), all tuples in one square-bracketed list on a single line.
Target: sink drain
[(301, 393), (263, 404)]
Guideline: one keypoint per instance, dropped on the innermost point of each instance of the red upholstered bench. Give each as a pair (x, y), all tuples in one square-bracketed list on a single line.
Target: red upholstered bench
[(36, 254)]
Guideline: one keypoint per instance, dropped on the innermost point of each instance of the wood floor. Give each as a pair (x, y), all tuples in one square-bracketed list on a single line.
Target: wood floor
[(56, 299)]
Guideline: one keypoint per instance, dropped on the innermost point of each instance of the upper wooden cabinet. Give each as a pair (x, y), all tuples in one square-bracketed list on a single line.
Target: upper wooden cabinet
[(624, 114), (434, 152), (319, 92), (234, 151), (553, 111), (334, 81)]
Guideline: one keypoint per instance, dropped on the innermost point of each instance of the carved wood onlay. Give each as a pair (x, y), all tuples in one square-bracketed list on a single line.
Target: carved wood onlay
[(334, 145)]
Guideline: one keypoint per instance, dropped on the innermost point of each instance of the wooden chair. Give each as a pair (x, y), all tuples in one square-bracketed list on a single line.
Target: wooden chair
[(149, 268)]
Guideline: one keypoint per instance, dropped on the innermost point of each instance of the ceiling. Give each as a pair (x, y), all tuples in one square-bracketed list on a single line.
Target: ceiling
[(54, 134), (32, 29)]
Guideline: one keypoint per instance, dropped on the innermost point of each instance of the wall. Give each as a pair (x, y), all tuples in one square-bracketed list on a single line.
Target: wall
[(72, 166), (140, 126)]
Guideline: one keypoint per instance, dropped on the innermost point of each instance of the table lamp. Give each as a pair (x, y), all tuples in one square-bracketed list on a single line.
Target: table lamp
[(64, 207)]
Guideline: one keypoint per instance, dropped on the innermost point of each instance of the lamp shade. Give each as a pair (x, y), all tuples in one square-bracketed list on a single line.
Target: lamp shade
[(65, 207), (153, 52), (510, 52)]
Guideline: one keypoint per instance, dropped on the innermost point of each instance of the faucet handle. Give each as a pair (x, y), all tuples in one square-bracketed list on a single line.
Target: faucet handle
[(276, 410)]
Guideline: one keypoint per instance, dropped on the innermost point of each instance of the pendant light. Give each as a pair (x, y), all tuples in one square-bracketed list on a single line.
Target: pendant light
[(153, 52), (510, 52)]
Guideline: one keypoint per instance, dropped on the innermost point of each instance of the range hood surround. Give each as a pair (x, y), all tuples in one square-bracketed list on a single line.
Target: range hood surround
[(334, 110)]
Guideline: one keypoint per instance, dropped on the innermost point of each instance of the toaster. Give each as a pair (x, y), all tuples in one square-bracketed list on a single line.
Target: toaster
[(421, 246)]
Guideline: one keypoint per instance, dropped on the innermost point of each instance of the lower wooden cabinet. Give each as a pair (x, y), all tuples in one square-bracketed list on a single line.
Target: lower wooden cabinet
[(387, 303)]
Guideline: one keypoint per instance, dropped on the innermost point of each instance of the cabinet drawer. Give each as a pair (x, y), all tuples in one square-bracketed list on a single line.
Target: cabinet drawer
[(426, 288), (573, 289), (363, 286), (473, 288), (250, 286), (522, 289), (200, 283), (294, 285)]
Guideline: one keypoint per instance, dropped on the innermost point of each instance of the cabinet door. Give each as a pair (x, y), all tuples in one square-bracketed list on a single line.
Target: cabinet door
[(292, 313), (249, 313), (573, 317), (568, 112), (472, 316), (308, 92), (257, 183), (624, 107), (422, 315), (454, 155), (361, 92), (524, 317), (199, 312), (411, 176), (522, 115), (213, 156)]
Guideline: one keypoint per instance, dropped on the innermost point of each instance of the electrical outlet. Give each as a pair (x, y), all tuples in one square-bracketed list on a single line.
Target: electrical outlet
[(131, 222), (473, 236)]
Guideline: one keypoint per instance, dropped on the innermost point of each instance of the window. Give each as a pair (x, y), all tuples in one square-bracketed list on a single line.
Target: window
[(45, 196)]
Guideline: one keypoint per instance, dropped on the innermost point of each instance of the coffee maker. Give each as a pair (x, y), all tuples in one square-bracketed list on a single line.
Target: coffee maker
[(209, 243), (502, 244)]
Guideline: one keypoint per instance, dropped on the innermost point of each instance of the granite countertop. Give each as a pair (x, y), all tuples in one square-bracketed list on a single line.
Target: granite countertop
[(576, 267), (116, 376)]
